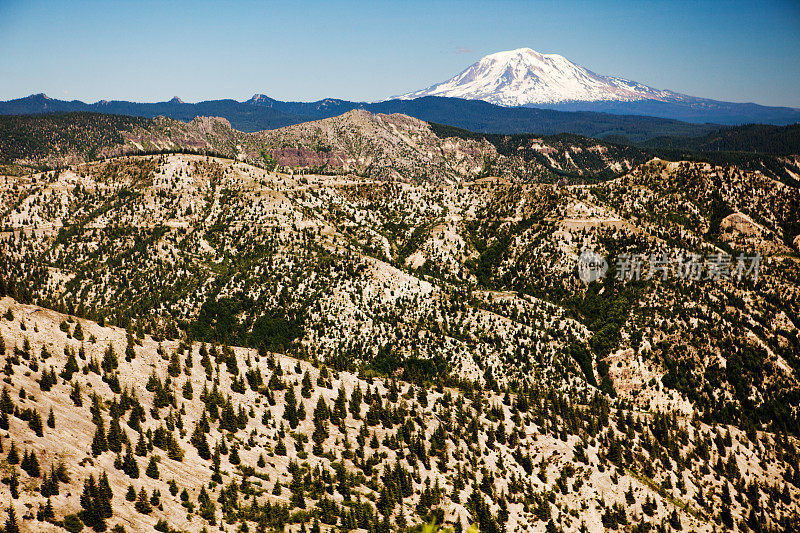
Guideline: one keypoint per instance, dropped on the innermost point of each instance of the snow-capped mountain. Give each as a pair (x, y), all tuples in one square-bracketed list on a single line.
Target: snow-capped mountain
[(524, 76)]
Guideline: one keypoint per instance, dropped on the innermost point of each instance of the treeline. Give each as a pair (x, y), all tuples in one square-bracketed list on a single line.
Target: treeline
[(758, 138), (32, 137), (751, 147), (79, 136), (593, 165)]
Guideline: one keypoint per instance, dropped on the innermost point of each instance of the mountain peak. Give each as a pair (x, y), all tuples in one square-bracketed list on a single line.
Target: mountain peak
[(524, 76), (519, 52), (258, 98), (176, 100)]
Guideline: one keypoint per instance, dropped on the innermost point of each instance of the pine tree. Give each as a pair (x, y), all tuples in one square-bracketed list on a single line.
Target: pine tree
[(152, 468), (51, 419), (11, 523), (6, 403), (75, 395), (44, 383), (50, 483), (280, 448), (188, 392), (13, 455), (174, 367), (339, 406), (70, 367), (78, 333), (90, 514), (115, 436), (306, 388), (13, 485), (23, 464), (105, 495), (355, 403), (143, 503), (35, 423), (207, 509), (129, 465), (47, 512), (141, 445), (216, 462), (130, 352), (33, 465), (290, 409), (234, 456), (99, 443)]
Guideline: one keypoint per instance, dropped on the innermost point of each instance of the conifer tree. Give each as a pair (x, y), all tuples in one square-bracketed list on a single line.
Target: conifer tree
[(141, 445), (152, 468), (174, 367), (207, 509), (115, 435), (130, 352), (234, 456), (11, 523), (13, 455), (306, 388), (75, 395), (129, 464), (91, 515), (48, 513), (142, 504), (78, 332), (35, 423), (104, 489), (99, 443), (70, 367), (355, 402), (110, 361), (33, 465), (290, 408)]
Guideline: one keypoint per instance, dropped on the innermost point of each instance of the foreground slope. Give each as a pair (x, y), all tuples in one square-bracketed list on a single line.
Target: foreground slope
[(210, 436)]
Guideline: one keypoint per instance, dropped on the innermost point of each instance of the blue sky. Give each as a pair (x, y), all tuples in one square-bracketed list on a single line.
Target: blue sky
[(149, 51)]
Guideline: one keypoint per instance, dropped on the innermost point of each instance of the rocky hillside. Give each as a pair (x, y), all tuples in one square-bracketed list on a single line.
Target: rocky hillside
[(496, 387), (388, 147), (108, 429)]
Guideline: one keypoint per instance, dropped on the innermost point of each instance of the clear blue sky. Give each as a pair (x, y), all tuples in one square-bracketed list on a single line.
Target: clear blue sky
[(151, 51)]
